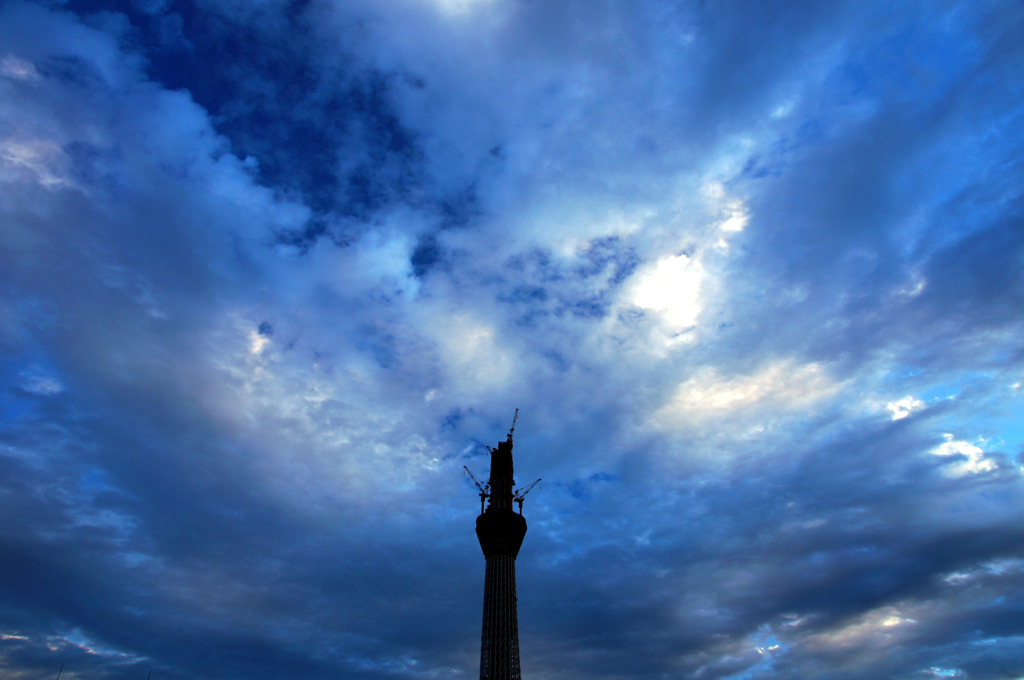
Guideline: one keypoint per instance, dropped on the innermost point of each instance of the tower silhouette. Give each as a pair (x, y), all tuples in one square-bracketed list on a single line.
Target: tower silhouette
[(501, 532)]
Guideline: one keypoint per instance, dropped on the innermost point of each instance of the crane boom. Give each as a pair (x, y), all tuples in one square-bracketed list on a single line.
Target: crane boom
[(513, 428), (484, 488), (520, 494)]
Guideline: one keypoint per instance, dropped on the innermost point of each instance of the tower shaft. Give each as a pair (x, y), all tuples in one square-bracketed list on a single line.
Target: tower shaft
[(499, 647)]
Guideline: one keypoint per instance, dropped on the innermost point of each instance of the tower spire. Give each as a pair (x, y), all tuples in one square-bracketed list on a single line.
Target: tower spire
[(501, 532)]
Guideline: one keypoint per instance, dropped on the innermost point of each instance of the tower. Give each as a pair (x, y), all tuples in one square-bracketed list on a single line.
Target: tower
[(501, 532)]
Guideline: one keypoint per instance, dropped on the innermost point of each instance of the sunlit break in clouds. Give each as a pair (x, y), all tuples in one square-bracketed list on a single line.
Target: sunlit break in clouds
[(273, 273), (672, 287)]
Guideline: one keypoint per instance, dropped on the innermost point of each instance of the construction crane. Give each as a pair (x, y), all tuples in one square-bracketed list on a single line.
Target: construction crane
[(520, 494), (485, 489), (513, 428)]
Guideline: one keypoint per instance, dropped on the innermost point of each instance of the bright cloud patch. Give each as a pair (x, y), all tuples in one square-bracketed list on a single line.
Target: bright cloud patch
[(461, 6), (38, 159), (671, 287), (18, 69), (732, 213), (974, 460), (881, 627), (781, 385), (736, 221), (257, 342), (904, 407), (474, 353)]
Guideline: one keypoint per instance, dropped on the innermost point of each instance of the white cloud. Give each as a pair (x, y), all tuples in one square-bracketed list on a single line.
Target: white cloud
[(904, 407), (257, 342), (736, 221), (35, 159), (780, 386), (876, 628), (18, 69), (463, 6), (476, 358), (42, 385), (975, 462)]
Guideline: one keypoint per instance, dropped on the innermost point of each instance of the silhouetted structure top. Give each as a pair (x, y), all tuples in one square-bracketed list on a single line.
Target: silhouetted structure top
[(501, 532)]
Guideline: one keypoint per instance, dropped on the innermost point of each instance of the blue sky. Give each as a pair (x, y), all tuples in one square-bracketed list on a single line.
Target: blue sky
[(274, 272)]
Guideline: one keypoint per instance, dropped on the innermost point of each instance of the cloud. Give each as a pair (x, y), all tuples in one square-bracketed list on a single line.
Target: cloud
[(903, 407), (275, 272), (975, 458), (672, 287)]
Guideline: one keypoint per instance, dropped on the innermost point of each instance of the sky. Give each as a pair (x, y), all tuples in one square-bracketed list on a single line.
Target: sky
[(274, 271)]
